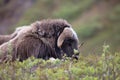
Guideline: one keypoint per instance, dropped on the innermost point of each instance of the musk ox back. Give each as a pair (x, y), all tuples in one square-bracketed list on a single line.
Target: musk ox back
[(6, 38)]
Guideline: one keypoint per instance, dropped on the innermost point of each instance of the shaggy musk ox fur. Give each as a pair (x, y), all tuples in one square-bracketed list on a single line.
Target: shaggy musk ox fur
[(60, 35), (27, 43), (35, 43), (31, 45), (44, 39)]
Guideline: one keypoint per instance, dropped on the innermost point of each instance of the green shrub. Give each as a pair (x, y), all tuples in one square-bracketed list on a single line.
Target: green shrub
[(91, 67)]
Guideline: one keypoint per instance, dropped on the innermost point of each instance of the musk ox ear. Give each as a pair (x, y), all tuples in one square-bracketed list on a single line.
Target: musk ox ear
[(67, 33)]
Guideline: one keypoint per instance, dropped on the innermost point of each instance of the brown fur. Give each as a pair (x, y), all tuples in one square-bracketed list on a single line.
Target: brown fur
[(43, 42), (51, 29), (31, 45), (40, 40)]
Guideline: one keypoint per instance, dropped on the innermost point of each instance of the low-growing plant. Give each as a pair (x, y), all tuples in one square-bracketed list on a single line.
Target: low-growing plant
[(91, 67)]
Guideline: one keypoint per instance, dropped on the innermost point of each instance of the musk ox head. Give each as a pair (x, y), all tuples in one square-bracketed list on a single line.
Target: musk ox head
[(68, 42)]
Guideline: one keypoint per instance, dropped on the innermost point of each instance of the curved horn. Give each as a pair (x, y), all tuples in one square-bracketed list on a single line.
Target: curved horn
[(67, 33)]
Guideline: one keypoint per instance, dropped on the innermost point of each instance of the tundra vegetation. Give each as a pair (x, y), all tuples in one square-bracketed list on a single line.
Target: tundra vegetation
[(92, 67)]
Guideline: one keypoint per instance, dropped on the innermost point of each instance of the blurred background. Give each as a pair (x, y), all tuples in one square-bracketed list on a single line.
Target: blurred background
[(97, 22)]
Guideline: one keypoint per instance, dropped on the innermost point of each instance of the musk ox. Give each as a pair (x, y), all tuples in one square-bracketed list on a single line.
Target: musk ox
[(43, 39)]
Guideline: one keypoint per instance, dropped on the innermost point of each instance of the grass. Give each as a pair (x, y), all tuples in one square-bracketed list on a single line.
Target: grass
[(92, 67)]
